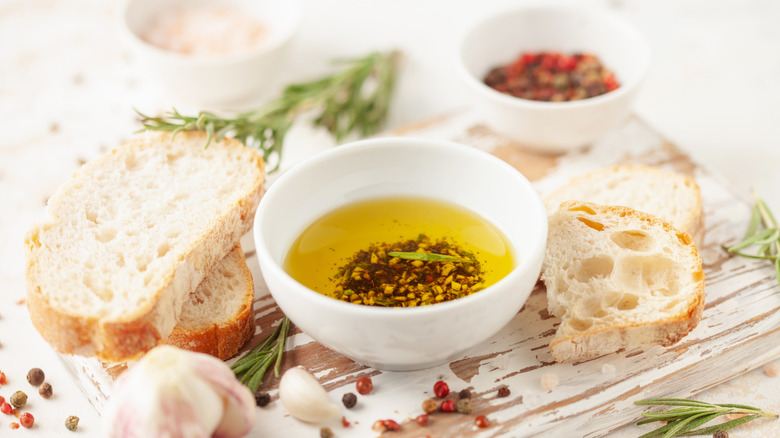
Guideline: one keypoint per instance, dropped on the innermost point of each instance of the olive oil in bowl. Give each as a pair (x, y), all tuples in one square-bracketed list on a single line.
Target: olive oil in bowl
[(388, 252)]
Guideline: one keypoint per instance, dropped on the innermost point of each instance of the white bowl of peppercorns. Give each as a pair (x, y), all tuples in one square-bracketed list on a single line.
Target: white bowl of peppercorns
[(553, 78)]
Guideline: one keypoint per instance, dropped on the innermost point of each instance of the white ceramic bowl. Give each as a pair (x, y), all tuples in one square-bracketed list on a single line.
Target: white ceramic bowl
[(213, 80), (401, 338), (553, 126)]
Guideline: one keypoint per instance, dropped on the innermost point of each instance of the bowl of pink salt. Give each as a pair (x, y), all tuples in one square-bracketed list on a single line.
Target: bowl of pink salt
[(208, 52)]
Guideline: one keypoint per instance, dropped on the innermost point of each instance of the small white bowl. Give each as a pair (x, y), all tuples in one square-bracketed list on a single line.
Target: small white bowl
[(218, 79), (401, 339), (553, 126)]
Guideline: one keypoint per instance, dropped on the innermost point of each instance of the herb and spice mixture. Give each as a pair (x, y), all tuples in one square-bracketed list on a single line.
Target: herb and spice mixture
[(399, 252), (553, 77), (416, 272)]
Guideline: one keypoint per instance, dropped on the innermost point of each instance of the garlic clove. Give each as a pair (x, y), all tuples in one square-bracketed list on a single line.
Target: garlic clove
[(304, 397), (175, 393), (240, 406)]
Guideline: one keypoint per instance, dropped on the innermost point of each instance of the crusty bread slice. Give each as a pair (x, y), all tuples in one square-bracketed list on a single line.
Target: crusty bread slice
[(218, 319), (673, 197), (618, 278), (131, 235)]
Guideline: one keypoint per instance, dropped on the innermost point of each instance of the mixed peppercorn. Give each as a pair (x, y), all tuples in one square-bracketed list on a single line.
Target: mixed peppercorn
[(408, 274), (18, 400), (553, 77)]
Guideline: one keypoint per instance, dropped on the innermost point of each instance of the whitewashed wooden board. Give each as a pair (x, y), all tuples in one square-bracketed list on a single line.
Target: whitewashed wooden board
[(739, 331)]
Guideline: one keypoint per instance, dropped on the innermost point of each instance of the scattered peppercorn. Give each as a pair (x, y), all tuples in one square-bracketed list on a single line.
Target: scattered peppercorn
[(422, 420), (349, 399), (463, 406), (503, 391), (385, 425), (481, 421), (6, 408), (441, 389), (35, 376), (364, 385), (447, 405), (430, 406), (720, 434), (72, 423), (344, 422), (27, 420), (262, 399), (325, 432), (45, 390), (18, 399), (3, 379), (464, 393), (14, 425), (2, 400)]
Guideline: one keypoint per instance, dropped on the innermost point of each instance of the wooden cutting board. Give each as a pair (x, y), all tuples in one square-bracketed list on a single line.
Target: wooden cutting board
[(739, 331)]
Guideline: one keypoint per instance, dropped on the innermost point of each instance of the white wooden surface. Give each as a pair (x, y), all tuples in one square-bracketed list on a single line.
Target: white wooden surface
[(739, 331)]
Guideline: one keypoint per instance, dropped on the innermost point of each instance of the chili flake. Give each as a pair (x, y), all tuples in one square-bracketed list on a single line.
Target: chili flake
[(553, 77), (375, 277)]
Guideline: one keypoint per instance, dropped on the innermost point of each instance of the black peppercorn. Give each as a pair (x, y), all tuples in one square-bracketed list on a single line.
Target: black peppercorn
[(463, 406), (349, 399), (503, 391), (18, 399), (465, 393), (325, 432), (720, 434), (45, 390), (262, 399), (35, 376), (72, 423)]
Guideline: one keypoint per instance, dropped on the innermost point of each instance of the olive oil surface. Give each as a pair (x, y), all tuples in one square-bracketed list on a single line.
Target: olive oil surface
[(329, 242)]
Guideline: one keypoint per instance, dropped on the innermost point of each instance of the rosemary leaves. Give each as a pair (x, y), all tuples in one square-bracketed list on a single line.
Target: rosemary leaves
[(763, 234), (426, 257), (251, 367), (353, 100), (687, 417)]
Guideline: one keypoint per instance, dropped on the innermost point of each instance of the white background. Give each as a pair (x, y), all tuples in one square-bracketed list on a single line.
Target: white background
[(67, 89)]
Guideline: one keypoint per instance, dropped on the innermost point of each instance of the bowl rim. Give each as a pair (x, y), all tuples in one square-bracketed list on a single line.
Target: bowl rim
[(602, 14), (525, 258), (133, 39)]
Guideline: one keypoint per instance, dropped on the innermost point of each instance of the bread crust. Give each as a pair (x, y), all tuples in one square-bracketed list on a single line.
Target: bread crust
[(693, 223), (596, 342), (136, 332), (222, 339)]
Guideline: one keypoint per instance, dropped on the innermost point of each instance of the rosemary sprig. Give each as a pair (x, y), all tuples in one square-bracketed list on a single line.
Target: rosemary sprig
[(763, 234), (353, 100), (426, 257), (688, 415), (251, 367)]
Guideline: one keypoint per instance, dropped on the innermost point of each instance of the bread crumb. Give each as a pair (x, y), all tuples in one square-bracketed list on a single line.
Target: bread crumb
[(772, 370), (608, 368), (549, 381)]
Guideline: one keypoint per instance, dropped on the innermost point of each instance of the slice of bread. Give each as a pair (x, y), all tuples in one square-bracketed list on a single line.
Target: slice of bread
[(673, 197), (131, 235), (218, 319), (618, 278)]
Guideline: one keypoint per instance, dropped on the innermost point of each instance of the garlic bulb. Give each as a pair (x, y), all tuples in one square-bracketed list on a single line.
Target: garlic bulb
[(304, 397), (175, 393)]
